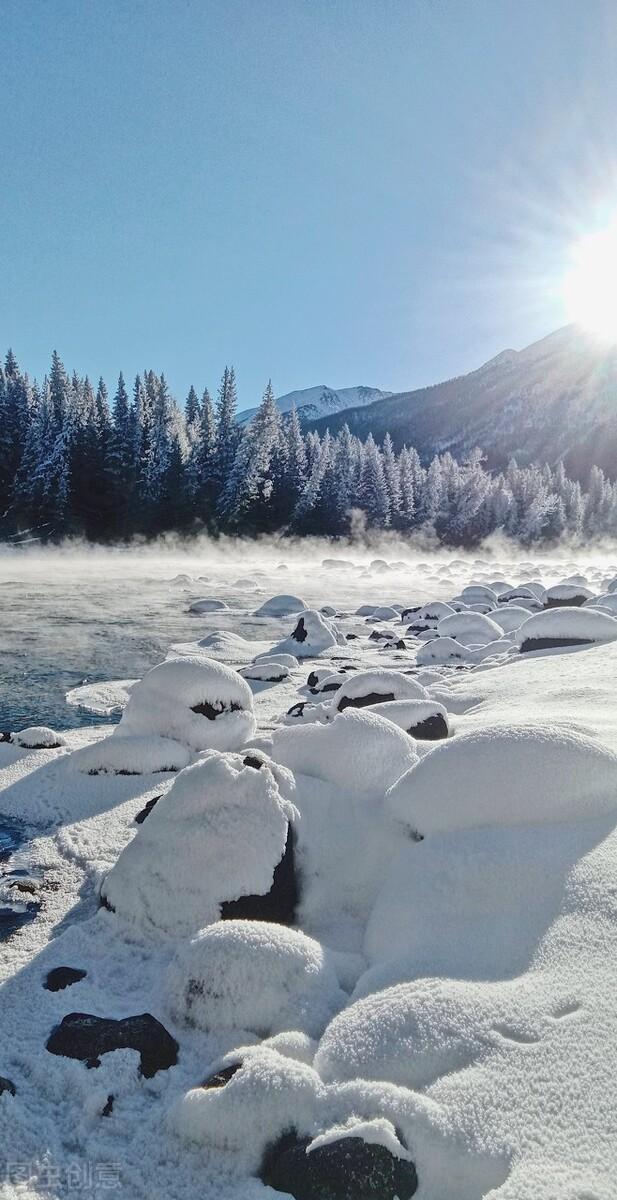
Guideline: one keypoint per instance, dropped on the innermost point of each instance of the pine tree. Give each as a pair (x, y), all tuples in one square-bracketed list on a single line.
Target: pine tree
[(203, 465), (374, 498), (228, 431), (251, 489)]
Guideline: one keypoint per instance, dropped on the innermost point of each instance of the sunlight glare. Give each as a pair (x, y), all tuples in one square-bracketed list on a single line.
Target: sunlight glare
[(590, 287)]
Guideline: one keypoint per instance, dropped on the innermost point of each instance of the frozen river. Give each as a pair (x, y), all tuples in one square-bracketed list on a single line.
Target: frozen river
[(70, 618)]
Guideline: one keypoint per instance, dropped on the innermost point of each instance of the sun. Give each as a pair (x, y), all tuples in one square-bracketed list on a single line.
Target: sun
[(590, 286)]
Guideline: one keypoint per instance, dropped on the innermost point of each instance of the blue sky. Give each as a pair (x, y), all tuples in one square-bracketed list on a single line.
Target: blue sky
[(321, 191)]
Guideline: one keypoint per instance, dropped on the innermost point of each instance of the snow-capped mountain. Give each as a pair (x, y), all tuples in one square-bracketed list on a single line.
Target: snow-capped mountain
[(315, 402), (556, 399)]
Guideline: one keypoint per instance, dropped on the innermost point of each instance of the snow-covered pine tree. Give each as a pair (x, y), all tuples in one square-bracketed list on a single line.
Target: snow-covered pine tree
[(248, 497), (228, 432)]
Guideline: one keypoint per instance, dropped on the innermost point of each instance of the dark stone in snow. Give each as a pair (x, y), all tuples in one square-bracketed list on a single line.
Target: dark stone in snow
[(351, 637), (220, 1078), (5, 736), (146, 810), (378, 635), (420, 627), (348, 1169), (431, 729), (277, 905), (7, 1085), (250, 761), (62, 977), (573, 602), (554, 643), (109, 1106), (300, 634), (408, 612), (82, 1036), (296, 710), (212, 711), (363, 701)]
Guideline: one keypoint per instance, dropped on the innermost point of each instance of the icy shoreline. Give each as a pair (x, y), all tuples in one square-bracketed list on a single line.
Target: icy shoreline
[(441, 984)]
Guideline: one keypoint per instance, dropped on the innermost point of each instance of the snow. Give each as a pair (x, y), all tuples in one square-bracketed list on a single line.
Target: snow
[(38, 737), (216, 835), (450, 998), (102, 698), (163, 704), (255, 976), (565, 592)]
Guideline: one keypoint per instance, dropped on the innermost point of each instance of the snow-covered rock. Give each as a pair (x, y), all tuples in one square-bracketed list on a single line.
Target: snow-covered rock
[(216, 836), (358, 751), (423, 719), (570, 594), (364, 688), (195, 700), (469, 628), (444, 651), (312, 635), (280, 606), (208, 604), (256, 976), (139, 755), (38, 737), (265, 671), (564, 626)]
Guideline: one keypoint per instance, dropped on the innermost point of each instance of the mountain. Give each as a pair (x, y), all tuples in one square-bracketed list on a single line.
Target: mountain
[(315, 402), (556, 399)]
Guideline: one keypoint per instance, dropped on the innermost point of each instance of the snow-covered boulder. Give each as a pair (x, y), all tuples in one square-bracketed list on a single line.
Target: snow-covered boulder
[(265, 671), (385, 613), (469, 628), (280, 606), (215, 838), (38, 737), (195, 700), (607, 602), (312, 635), (365, 688), (566, 594), (516, 594), (443, 651), (423, 719), (478, 593), (117, 755), (256, 976), (285, 660), (208, 604), (508, 775), (509, 617), (562, 626), (358, 751)]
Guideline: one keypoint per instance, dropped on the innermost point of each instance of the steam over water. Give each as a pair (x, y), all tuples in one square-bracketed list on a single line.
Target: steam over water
[(73, 616)]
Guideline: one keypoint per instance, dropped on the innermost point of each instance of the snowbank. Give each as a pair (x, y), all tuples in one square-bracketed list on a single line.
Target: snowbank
[(198, 701), (358, 751), (117, 755)]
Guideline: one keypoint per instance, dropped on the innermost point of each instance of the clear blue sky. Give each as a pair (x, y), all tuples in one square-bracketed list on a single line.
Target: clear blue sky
[(321, 191)]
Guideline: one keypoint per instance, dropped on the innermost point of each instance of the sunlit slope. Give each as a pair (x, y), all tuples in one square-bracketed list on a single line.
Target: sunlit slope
[(555, 399)]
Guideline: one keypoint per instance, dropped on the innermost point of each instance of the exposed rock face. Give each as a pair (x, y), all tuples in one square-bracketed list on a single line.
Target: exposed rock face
[(7, 1085), (220, 1078), (348, 1169), (280, 903), (85, 1037)]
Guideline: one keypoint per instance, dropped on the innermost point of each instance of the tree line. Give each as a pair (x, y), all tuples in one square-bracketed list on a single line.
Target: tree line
[(72, 462)]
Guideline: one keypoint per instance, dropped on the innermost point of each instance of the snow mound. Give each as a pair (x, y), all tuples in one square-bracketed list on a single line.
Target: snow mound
[(566, 593), (565, 626), (196, 700), (256, 976), (285, 660), (280, 606), (38, 737), (509, 617), (365, 688), (385, 613), (469, 627), (515, 775), (207, 605), (607, 601), (312, 635), (117, 755), (358, 751), (267, 670), (215, 836)]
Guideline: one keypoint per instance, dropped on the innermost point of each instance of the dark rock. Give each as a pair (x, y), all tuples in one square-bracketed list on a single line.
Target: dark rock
[(408, 612), (397, 644), (573, 602), (212, 711), (109, 1106), (62, 977), (300, 632), (351, 637), (5, 736), (280, 903), (146, 810), (252, 761), (363, 701), (418, 627), (296, 710), (7, 1085), (378, 635), (348, 1169), (547, 643), (220, 1078), (85, 1037), (430, 730)]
